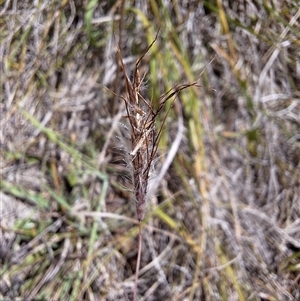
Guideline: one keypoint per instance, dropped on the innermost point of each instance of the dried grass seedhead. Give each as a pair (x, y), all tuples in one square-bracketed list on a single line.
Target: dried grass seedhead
[(144, 137)]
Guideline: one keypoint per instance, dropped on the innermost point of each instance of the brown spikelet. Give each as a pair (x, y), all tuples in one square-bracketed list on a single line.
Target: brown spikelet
[(144, 138)]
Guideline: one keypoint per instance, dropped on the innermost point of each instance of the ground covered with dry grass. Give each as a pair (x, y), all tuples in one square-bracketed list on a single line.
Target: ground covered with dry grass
[(224, 222)]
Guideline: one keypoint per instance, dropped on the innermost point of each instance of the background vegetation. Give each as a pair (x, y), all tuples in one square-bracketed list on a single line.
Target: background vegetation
[(224, 223)]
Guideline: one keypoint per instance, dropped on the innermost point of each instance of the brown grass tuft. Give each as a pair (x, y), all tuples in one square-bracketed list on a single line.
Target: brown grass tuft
[(144, 137)]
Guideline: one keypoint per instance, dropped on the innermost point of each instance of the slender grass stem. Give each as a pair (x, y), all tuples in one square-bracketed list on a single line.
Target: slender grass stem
[(138, 263)]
